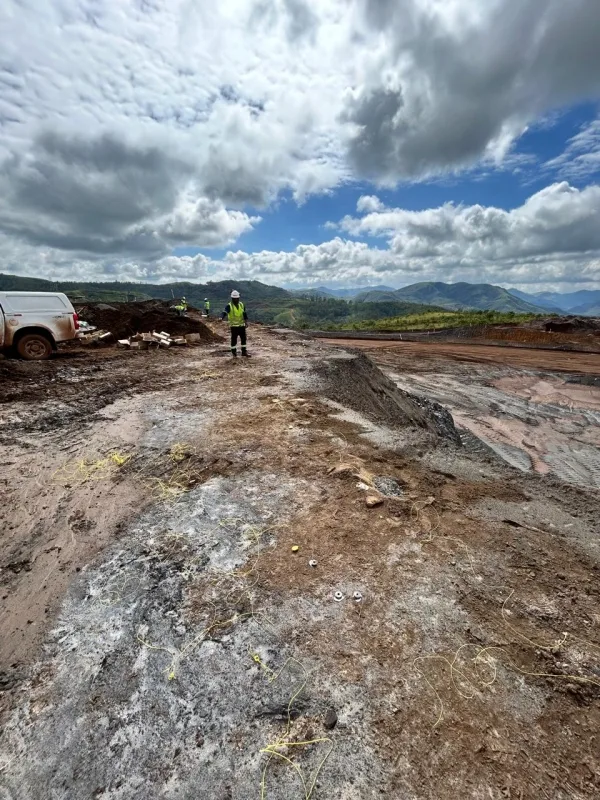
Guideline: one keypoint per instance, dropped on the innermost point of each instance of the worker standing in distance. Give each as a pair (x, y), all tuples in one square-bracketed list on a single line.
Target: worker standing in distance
[(238, 320), (207, 306), (181, 307)]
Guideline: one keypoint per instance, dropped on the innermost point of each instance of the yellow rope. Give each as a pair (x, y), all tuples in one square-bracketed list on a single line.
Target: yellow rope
[(82, 470), (273, 750), (482, 656)]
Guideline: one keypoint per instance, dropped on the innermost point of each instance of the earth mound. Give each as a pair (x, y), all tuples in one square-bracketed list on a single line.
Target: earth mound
[(355, 381), (126, 319)]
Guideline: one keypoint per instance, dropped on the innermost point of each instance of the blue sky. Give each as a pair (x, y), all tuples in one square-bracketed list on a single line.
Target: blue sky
[(288, 223), (350, 142), (507, 186)]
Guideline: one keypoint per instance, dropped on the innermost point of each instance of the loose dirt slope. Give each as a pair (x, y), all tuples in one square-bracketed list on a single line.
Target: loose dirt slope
[(126, 319), (165, 636)]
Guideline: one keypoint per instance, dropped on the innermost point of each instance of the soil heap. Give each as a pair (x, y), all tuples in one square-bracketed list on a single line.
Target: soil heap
[(126, 319), (570, 324)]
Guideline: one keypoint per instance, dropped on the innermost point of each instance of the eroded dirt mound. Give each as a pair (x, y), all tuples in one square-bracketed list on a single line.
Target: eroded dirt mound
[(585, 380), (126, 319), (356, 382), (570, 324)]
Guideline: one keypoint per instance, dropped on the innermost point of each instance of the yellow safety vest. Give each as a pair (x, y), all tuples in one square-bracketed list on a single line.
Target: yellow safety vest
[(207, 305), (236, 315)]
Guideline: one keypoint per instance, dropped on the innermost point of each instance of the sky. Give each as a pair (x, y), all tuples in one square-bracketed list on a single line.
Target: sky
[(340, 143)]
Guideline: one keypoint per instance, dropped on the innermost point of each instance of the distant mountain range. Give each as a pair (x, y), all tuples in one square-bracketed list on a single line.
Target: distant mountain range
[(274, 304), (584, 303), (324, 291), (268, 304), (117, 291), (454, 297), (481, 296)]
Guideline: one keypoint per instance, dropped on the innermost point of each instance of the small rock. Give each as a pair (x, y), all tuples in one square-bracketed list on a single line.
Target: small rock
[(331, 719), (373, 501), (387, 486)]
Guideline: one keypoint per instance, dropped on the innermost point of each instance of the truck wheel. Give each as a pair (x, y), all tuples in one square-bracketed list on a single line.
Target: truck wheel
[(34, 347)]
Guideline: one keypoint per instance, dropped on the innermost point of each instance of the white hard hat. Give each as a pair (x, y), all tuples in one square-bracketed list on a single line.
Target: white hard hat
[(235, 294)]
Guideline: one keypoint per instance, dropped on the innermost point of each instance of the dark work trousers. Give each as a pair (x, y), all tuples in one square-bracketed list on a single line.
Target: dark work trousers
[(240, 331)]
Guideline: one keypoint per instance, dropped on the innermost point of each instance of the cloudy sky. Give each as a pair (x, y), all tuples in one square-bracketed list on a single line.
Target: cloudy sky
[(338, 142)]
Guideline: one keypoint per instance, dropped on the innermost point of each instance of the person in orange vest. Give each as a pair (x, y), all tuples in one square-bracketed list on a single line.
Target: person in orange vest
[(235, 313)]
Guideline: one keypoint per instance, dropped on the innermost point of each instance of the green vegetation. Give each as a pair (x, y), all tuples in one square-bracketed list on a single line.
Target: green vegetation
[(120, 292), (268, 304), (334, 313), (312, 309), (456, 297), (439, 320)]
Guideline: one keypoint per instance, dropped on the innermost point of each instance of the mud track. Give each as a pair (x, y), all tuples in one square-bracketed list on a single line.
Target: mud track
[(165, 636)]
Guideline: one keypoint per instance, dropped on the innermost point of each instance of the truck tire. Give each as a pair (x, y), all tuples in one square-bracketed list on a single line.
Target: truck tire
[(34, 347)]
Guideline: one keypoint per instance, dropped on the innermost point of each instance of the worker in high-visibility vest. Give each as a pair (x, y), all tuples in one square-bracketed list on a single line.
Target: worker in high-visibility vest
[(235, 313), (181, 307), (207, 306)]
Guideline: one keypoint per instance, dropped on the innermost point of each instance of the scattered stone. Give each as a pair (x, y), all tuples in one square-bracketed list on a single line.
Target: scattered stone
[(331, 719), (283, 710), (374, 500), (387, 486)]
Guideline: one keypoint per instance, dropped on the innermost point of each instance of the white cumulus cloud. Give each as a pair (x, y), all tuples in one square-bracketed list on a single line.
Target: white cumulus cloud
[(131, 127), (553, 239), (560, 220)]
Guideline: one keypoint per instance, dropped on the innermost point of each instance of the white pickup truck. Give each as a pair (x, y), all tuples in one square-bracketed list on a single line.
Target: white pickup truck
[(33, 323)]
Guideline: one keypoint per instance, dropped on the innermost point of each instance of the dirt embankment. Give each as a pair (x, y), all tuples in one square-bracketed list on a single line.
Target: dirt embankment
[(126, 319), (585, 363), (546, 421), (570, 334), (355, 382), (199, 601)]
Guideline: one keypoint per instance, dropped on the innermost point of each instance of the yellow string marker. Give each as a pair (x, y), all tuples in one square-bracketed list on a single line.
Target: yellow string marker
[(273, 750), (119, 458), (295, 548), (258, 660)]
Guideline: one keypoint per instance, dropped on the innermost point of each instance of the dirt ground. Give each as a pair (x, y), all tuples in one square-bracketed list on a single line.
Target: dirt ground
[(126, 319), (552, 361), (533, 418), (572, 334), (184, 537)]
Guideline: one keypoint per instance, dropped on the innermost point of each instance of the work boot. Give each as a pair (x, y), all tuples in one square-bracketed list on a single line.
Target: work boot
[(245, 354), (234, 354)]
